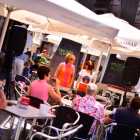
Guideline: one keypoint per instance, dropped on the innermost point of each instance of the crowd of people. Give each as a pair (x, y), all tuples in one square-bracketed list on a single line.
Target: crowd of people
[(64, 76)]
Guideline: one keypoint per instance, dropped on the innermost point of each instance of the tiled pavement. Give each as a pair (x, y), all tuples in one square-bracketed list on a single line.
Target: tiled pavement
[(5, 129)]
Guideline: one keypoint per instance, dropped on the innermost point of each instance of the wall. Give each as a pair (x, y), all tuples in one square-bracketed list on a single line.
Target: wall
[(115, 11)]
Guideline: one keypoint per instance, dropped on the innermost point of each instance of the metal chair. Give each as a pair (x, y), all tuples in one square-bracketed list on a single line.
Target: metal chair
[(118, 131), (35, 102), (22, 79), (87, 122), (66, 134), (18, 86), (64, 115)]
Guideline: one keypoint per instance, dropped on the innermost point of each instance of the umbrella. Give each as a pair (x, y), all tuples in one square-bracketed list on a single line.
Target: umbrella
[(127, 40), (76, 19), (54, 39), (61, 16)]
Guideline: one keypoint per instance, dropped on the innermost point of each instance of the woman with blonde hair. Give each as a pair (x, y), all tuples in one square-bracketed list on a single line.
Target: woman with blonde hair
[(65, 71), (86, 76)]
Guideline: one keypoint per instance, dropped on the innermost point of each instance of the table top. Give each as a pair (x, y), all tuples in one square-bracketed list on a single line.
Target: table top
[(29, 113), (107, 112), (13, 101)]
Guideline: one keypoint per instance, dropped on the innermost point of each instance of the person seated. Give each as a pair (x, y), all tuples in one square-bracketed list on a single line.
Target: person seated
[(41, 89), (65, 71), (39, 59), (126, 115), (3, 102), (89, 105)]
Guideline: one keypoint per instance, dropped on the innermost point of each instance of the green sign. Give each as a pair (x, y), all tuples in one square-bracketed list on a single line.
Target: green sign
[(64, 52), (116, 67)]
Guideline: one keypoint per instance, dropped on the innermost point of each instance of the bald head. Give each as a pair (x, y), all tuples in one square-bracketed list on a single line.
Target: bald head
[(91, 89)]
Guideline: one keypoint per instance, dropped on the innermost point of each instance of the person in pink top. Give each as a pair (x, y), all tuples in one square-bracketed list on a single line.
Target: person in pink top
[(41, 89)]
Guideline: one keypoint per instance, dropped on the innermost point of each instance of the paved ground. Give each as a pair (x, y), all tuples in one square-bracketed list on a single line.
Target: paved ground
[(5, 128)]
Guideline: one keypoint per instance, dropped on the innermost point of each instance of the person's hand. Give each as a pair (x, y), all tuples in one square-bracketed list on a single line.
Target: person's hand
[(57, 81)]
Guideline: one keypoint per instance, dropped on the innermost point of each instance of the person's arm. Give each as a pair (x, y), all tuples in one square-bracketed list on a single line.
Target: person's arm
[(3, 102), (72, 78), (55, 95), (109, 118), (77, 82), (32, 62), (28, 91), (57, 71)]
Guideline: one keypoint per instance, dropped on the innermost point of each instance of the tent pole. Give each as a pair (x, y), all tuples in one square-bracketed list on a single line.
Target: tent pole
[(99, 62), (84, 59), (105, 65), (5, 27)]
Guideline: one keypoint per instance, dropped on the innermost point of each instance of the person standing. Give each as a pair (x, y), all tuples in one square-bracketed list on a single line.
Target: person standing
[(37, 53), (65, 71), (86, 76), (18, 63), (44, 54), (26, 70), (99, 74)]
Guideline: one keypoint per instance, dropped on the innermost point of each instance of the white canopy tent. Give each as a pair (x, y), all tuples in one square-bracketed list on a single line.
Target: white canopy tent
[(126, 42), (74, 19), (124, 57), (56, 40), (61, 16)]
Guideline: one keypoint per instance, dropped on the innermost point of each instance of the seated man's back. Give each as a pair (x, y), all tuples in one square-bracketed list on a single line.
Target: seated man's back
[(89, 106), (128, 116)]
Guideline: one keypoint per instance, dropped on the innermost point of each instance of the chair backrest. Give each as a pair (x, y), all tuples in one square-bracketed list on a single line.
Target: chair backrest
[(64, 115), (19, 89), (22, 78), (35, 102), (87, 122), (121, 132)]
